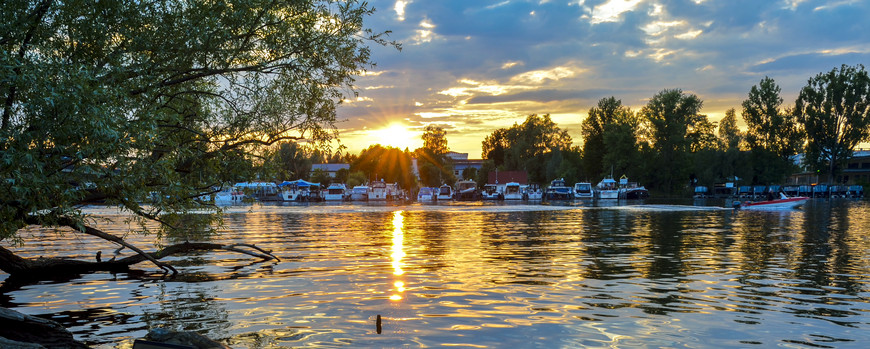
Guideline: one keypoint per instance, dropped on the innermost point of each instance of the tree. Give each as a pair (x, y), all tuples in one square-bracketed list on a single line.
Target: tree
[(769, 128), (669, 116), (528, 146), (433, 164), (388, 163), (833, 109), (729, 134), (593, 129), (469, 173), (292, 161), (620, 139), (116, 102)]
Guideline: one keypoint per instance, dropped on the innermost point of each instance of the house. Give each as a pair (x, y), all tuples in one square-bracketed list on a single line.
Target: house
[(461, 162), (330, 169)]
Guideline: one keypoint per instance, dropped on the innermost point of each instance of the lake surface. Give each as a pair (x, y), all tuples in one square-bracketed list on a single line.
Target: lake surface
[(487, 275)]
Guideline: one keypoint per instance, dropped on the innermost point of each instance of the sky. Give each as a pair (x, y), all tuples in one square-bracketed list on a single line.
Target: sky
[(474, 66)]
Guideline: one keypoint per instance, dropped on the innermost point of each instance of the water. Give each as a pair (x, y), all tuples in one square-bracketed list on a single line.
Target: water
[(487, 275)]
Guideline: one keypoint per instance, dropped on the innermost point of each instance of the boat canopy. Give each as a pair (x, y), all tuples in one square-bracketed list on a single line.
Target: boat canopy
[(301, 183)]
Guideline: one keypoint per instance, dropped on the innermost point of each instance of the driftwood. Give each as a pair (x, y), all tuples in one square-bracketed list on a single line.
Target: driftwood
[(26, 331)]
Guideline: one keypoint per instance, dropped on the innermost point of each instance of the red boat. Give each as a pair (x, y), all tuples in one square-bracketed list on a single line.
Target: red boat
[(778, 204)]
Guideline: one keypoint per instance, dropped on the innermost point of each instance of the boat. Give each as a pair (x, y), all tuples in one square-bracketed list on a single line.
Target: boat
[(359, 193), (583, 190), (491, 192), (607, 189), (512, 191), (445, 192), (532, 192), (631, 191), (335, 192), (782, 203), (558, 190), (260, 191), (377, 191), (427, 194), (466, 190), (228, 196), (298, 190)]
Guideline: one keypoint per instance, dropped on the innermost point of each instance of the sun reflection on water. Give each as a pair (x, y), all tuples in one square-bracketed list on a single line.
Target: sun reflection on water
[(397, 254)]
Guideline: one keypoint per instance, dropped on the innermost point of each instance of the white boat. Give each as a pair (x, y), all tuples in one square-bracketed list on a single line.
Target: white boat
[(491, 192), (783, 203), (335, 192), (512, 191), (445, 192), (228, 196), (427, 194), (532, 192), (298, 190), (466, 190), (377, 191), (607, 189), (359, 193), (583, 190)]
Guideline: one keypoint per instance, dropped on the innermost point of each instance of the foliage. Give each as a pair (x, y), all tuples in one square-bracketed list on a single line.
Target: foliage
[(769, 128), (593, 129), (292, 161), (729, 134), (434, 167), (670, 115), (833, 109), (621, 141), (527, 146), (388, 163), (114, 100), (321, 176), (356, 178), (469, 173)]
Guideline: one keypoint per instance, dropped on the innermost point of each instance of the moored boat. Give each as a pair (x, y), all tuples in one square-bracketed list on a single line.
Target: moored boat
[(359, 193), (491, 192), (558, 190), (335, 192), (377, 191), (583, 190), (512, 191), (607, 189), (445, 193), (427, 194), (532, 192), (466, 190)]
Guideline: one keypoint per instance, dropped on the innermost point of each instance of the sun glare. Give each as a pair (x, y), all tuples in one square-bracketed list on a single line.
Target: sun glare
[(396, 135)]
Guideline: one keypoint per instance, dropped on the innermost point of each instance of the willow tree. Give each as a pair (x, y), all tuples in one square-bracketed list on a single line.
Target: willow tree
[(160, 102), (834, 109)]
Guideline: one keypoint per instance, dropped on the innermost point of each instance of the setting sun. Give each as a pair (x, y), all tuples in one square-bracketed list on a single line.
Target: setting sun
[(396, 135)]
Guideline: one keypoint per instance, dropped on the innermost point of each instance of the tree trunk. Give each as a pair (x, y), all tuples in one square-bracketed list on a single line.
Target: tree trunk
[(47, 268), (19, 327)]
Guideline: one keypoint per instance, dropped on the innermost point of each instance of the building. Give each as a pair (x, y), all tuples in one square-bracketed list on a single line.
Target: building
[(461, 162), (857, 172), (330, 169)]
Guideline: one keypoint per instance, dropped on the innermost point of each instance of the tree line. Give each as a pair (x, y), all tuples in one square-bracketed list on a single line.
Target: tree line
[(668, 145)]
